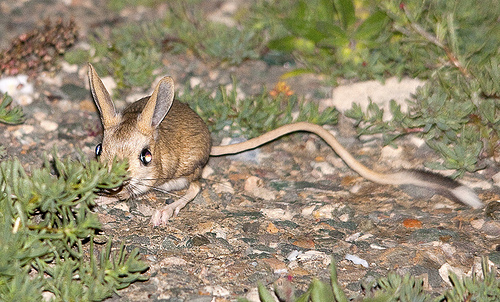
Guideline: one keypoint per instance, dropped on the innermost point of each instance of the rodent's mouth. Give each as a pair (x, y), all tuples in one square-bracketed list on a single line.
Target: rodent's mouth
[(111, 192)]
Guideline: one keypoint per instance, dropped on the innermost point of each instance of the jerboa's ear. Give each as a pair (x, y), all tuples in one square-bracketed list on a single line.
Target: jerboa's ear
[(109, 117), (157, 106)]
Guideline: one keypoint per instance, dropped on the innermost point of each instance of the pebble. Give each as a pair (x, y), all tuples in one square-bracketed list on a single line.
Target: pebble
[(272, 229), (217, 290), (311, 147), (122, 206), (491, 228), (315, 256), (169, 261), (274, 264), (325, 211), (477, 224), (380, 93), (194, 81), (292, 256), (207, 171), (356, 260), (144, 209), (254, 185), (324, 167), (23, 129), (444, 272), (277, 214), (496, 179), (344, 217), (390, 153), (16, 85), (48, 125), (223, 187), (308, 211)]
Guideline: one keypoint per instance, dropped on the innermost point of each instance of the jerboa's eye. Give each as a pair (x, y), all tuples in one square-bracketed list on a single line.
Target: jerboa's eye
[(98, 150), (145, 157)]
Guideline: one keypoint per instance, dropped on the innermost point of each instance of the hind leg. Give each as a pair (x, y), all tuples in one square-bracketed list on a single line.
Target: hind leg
[(163, 215)]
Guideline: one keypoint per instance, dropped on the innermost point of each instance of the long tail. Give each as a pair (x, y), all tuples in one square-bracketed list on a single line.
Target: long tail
[(441, 184)]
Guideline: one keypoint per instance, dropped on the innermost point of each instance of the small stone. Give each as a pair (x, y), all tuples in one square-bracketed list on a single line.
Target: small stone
[(272, 229), (344, 217), (122, 206), (145, 210), (390, 153), (311, 147), (223, 187), (48, 125), (308, 211), (492, 228), (496, 179), (477, 223), (356, 260), (304, 243), (324, 167), (274, 264), (254, 185), (277, 214), (217, 291), (292, 256), (444, 272), (207, 171), (325, 211), (169, 261), (194, 81), (315, 256), (23, 130), (412, 223)]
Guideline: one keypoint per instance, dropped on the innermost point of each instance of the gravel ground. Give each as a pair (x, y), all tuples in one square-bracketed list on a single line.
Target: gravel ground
[(277, 214)]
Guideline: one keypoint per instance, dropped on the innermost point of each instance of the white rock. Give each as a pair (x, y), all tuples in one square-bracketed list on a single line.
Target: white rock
[(169, 261), (325, 211), (293, 255), (390, 153), (207, 171), (356, 260), (377, 247), (314, 256), (16, 85), (496, 179), (217, 291), (48, 125), (477, 223), (324, 167), (308, 211), (444, 272), (23, 129), (344, 217), (381, 94), (353, 237), (277, 214), (194, 81), (122, 206), (223, 187), (255, 186)]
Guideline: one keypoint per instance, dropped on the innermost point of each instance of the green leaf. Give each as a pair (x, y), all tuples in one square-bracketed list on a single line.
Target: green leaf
[(372, 26), (321, 292), (345, 11), (264, 294)]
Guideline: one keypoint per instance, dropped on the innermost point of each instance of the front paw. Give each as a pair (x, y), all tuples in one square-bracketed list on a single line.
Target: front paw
[(161, 217)]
